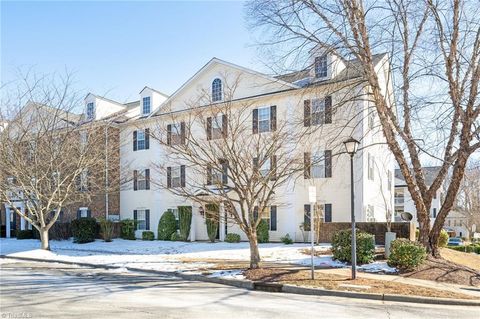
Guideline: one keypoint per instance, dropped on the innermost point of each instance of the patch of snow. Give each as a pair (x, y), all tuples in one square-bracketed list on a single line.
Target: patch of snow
[(228, 274), (378, 266)]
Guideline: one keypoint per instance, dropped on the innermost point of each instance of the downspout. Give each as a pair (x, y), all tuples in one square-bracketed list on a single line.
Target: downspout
[(106, 172)]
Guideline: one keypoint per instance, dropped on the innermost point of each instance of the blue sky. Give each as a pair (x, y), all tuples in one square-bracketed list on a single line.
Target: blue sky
[(116, 48)]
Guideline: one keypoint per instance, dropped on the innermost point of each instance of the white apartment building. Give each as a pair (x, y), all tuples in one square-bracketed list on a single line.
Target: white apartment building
[(319, 89)]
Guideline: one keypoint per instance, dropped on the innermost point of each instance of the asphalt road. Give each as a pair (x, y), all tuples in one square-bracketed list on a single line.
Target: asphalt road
[(49, 290)]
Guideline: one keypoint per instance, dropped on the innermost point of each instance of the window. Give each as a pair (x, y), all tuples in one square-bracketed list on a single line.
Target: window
[(217, 90), (318, 111), (218, 175), (371, 167), (90, 111), (141, 220), (141, 139), (434, 213), (141, 179), (318, 165), (176, 133), (83, 184), (321, 66), (264, 119), (269, 214), (217, 126), (266, 166), (83, 140), (176, 176), (83, 212), (146, 105)]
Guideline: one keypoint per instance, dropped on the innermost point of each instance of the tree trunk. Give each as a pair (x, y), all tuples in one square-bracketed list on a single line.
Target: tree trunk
[(45, 244), (254, 253)]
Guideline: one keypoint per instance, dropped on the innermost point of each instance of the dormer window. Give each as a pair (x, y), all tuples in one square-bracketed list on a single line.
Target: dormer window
[(321, 66), (146, 106), (90, 111), (217, 90)]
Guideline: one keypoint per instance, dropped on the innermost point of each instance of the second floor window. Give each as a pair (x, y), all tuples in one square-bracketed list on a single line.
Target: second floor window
[(176, 134), (321, 67), (218, 174), (265, 119), (318, 111), (83, 181), (141, 179), (176, 176), (266, 168), (318, 165), (90, 111), (146, 106), (141, 139), (217, 94)]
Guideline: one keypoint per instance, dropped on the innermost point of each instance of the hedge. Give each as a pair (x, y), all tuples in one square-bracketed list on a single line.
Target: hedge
[(167, 225), (127, 229), (84, 230), (342, 246), (25, 234), (232, 238), (473, 248), (148, 235), (406, 255)]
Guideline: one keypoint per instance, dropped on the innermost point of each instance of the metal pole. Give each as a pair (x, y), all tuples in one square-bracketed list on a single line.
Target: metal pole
[(106, 172), (354, 237), (312, 235)]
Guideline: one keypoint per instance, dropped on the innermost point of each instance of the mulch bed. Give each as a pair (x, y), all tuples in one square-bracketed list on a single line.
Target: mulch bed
[(441, 270), (336, 282)]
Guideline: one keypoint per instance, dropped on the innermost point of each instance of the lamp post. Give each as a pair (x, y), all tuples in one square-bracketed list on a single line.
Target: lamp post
[(351, 145)]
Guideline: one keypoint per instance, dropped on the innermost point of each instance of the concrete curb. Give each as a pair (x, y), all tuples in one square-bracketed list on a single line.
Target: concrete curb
[(250, 285)]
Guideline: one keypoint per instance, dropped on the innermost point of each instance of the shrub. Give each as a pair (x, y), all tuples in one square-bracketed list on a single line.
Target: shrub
[(473, 248), (262, 231), (211, 220), (342, 246), (148, 235), (286, 239), (232, 238), (127, 229), (443, 238), (25, 234), (106, 229), (406, 255), (185, 221), (167, 225), (60, 231), (84, 230), (175, 237)]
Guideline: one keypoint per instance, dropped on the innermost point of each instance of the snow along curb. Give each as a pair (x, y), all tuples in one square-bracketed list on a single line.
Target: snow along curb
[(247, 284)]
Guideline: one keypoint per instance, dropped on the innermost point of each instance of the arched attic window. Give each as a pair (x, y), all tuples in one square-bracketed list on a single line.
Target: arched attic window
[(217, 94)]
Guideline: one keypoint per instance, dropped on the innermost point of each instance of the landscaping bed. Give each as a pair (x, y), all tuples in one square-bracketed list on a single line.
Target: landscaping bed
[(337, 282)]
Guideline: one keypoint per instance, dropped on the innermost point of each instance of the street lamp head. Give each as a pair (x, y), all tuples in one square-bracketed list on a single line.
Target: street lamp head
[(351, 145)]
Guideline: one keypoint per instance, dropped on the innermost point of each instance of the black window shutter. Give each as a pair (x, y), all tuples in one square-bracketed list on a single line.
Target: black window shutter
[(328, 163), (255, 121), (135, 180), (273, 218), (307, 113), (147, 219), (182, 175), (306, 217), (225, 172), (147, 138), (224, 125), (328, 213), (169, 134), (147, 178), (135, 218), (169, 177), (209, 174), (182, 132), (434, 213), (89, 213), (209, 128), (273, 167), (306, 165), (79, 214), (255, 214), (273, 118), (328, 109), (255, 163), (134, 140)]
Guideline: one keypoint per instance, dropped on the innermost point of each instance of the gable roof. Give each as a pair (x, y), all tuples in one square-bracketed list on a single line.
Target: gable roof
[(235, 66), (105, 99), (429, 172), (147, 87)]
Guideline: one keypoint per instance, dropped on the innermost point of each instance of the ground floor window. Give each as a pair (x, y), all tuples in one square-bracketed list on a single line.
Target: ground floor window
[(142, 219)]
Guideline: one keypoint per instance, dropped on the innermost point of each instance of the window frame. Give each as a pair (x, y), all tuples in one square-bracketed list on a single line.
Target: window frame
[(268, 115), (176, 134), (318, 116), (318, 165), (90, 111), (141, 179), (141, 221), (217, 90), (141, 141), (173, 176), (321, 66)]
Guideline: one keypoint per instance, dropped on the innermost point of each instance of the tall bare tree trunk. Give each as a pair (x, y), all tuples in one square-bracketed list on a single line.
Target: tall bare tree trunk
[(254, 253), (45, 244)]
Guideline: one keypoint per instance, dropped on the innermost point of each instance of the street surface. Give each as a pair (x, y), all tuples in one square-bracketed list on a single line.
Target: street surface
[(50, 290)]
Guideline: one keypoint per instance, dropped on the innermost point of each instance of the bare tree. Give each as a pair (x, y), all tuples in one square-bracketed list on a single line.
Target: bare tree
[(228, 162), (469, 198), (50, 157), (434, 53)]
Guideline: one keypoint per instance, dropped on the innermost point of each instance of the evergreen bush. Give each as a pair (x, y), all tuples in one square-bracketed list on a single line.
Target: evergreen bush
[(127, 229), (443, 238), (167, 225), (286, 239), (406, 255), (84, 230), (185, 221), (262, 231), (25, 234), (342, 246), (232, 238), (211, 220), (175, 237), (148, 235)]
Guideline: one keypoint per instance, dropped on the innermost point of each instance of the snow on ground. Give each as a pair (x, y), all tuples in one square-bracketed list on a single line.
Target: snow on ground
[(165, 255), (228, 274), (378, 266)]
